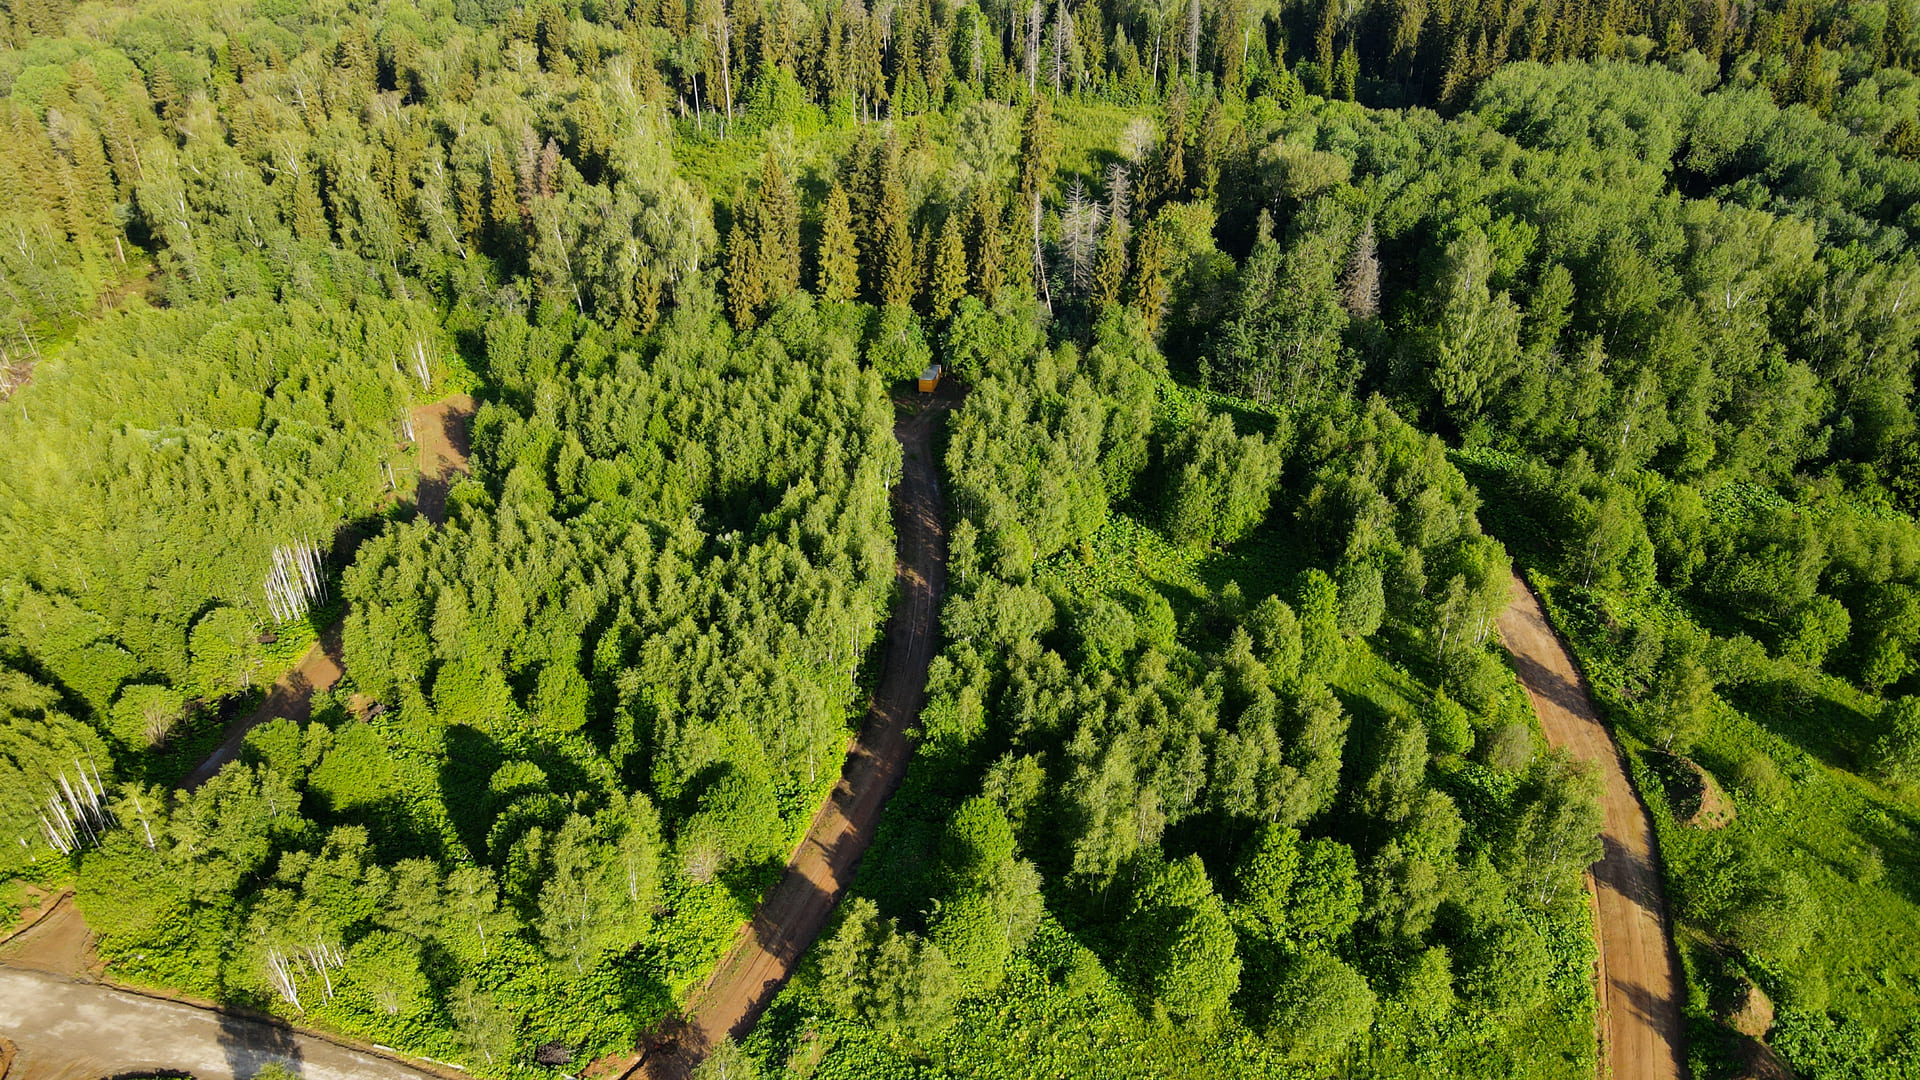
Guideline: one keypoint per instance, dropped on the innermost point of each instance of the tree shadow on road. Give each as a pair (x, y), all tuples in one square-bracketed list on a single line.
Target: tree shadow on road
[(252, 1044)]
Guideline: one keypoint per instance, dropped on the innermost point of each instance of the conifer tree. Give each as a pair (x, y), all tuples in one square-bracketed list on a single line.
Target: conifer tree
[(1169, 177), (746, 271), (1037, 146), (947, 276), (1017, 273), (1110, 269), (839, 258), (1346, 73), (986, 244), (763, 251), (894, 262), (780, 229), (1148, 294)]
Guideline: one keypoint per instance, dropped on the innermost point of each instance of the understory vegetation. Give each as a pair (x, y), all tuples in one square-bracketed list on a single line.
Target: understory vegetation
[(1284, 332)]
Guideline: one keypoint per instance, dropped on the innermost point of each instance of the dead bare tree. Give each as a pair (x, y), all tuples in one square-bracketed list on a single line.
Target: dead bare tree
[(1360, 292), (75, 817), (1080, 236), (295, 580)]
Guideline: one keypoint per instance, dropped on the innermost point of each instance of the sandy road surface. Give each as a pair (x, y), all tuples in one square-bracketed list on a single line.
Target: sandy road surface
[(291, 696), (792, 914), (441, 433), (1638, 978), (67, 1030)]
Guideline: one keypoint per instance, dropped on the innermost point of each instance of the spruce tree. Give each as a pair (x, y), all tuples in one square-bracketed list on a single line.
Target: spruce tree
[(1037, 147), (839, 257), (1017, 272), (986, 244), (1110, 269), (947, 277), (1148, 294), (780, 229), (894, 262), (1346, 74), (1169, 178), (746, 274)]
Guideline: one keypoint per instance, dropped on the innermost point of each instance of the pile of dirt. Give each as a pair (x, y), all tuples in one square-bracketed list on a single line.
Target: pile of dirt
[(1751, 1013), (35, 903), (58, 943), (1696, 797)]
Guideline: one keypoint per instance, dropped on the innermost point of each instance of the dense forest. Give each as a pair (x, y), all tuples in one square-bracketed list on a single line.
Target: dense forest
[(1287, 331)]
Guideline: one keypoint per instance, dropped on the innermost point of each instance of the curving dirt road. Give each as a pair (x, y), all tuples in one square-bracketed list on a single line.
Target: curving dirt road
[(440, 432), (69, 1028), (822, 867), (1637, 979)]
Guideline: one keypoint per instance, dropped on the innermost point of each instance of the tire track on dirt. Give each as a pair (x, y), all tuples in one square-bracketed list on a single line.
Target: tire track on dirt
[(1637, 978), (440, 431), (792, 915)]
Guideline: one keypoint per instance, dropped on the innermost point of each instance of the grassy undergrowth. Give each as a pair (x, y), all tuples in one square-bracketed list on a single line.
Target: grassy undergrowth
[(1063, 1013), (1846, 979)]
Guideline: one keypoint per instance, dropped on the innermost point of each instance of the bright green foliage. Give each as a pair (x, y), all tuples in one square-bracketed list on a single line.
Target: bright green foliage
[(1896, 753), (988, 922), (1663, 300), (873, 972), (1219, 483), (1320, 1007), (727, 1062), (1276, 633), (1503, 967), (1033, 476), (1558, 834), (1325, 901), (978, 840), (39, 746), (1449, 728), (1320, 644), (386, 967), (596, 893), (1363, 599), (1266, 877), (237, 429), (1281, 343), (1185, 948)]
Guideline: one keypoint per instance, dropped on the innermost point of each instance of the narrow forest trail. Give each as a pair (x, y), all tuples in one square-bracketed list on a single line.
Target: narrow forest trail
[(792, 915), (440, 437), (68, 1027), (1637, 981)]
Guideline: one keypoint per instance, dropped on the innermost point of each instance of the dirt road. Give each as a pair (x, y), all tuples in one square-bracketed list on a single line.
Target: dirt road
[(66, 1030), (820, 870), (1638, 980), (291, 696), (440, 433), (56, 943)]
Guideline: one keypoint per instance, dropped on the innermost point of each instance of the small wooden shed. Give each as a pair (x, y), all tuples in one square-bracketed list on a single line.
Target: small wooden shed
[(930, 379)]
